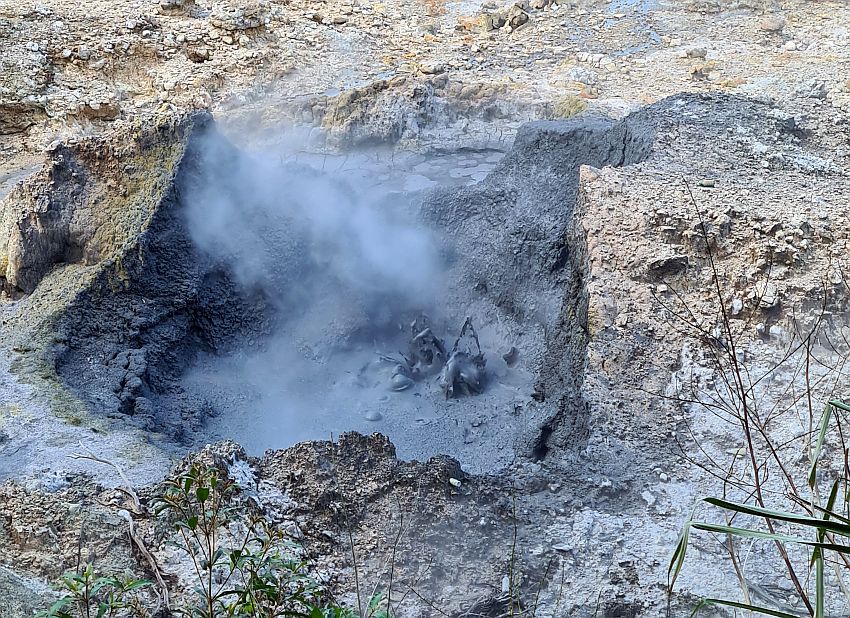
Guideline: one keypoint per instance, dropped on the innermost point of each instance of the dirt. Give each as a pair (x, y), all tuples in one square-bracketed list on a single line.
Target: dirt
[(578, 242)]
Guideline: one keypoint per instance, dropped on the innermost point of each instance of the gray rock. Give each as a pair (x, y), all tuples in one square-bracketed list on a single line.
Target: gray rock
[(772, 23), (583, 76)]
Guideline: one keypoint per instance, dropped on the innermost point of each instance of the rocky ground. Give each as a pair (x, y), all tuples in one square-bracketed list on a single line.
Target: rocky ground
[(584, 501)]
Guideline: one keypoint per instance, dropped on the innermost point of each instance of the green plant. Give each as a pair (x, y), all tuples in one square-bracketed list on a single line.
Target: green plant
[(765, 471), (244, 567), (822, 521), (90, 595)]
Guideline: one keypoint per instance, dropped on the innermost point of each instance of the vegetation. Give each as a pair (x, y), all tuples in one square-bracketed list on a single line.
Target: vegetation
[(244, 568), (90, 595), (778, 476), (568, 106)]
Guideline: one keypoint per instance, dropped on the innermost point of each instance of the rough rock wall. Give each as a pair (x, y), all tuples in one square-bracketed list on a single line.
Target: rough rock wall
[(117, 299), (513, 233)]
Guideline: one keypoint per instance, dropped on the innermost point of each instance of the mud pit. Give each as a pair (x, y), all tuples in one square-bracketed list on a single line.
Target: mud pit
[(353, 267), (193, 291)]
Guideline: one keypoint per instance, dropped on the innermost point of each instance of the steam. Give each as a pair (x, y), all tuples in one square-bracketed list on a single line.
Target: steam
[(345, 263), (285, 227)]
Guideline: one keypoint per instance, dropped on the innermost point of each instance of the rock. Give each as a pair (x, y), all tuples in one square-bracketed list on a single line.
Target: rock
[(667, 265), (517, 16), (813, 89), (83, 53), (776, 331), (373, 415), (737, 306), (173, 5), (198, 54), (790, 46), (432, 68), (400, 382), (16, 117), (767, 295), (243, 16), (696, 52), (339, 20), (702, 70), (583, 76), (772, 23)]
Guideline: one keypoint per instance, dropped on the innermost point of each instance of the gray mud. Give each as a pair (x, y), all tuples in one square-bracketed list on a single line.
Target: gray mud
[(256, 296), (503, 262)]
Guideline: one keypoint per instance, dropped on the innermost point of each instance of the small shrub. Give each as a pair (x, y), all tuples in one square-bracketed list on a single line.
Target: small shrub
[(568, 106), (254, 574), (90, 595)]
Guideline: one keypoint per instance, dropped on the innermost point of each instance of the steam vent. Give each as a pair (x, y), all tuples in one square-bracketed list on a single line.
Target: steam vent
[(425, 309)]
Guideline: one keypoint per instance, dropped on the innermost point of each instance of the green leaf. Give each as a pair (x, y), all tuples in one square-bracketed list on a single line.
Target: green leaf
[(678, 558), (824, 423), (202, 493), (752, 608), (746, 509), (58, 606), (192, 522), (840, 405), (830, 504), (819, 591), (758, 534), (135, 584)]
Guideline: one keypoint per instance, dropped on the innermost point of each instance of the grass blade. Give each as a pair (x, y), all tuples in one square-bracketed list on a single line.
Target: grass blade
[(819, 592), (840, 405), (824, 423), (678, 558), (811, 522), (758, 534), (753, 608)]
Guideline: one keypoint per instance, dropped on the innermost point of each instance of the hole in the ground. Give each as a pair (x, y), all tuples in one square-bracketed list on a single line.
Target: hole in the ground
[(276, 297)]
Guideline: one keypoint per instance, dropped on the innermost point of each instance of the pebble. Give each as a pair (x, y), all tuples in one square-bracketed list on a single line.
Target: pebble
[(772, 24), (790, 46), (373, 415), (737, 306), (583, 76), (432, 68)]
